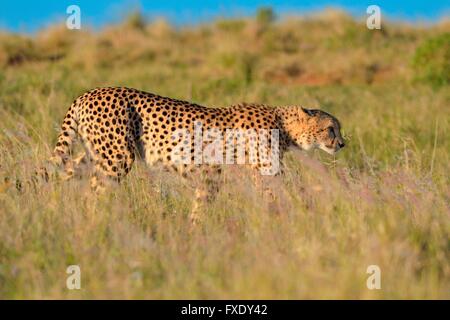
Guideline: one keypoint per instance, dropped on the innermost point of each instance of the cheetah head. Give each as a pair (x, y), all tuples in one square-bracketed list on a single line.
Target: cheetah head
[(317, 129)]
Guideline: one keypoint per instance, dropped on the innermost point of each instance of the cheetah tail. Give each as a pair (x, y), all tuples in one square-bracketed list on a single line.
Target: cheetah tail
[(66, 137)]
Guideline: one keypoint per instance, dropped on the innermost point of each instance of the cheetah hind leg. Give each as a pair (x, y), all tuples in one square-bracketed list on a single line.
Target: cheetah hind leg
[(52, 168), (101, 179), (73, 167), (98, 184), (108, 175)]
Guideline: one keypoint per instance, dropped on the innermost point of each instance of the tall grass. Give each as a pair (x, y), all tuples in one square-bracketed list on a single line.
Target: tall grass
[(383, 200)]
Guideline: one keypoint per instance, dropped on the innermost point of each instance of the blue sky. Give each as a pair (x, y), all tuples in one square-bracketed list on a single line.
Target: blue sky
[(29, 16)]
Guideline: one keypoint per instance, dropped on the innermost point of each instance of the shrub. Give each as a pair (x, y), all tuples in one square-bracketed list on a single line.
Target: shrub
[(265, 16), (15, 50), (431, 62), (136, 20)]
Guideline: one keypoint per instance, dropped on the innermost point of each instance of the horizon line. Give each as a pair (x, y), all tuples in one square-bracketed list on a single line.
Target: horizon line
[(174, 18)]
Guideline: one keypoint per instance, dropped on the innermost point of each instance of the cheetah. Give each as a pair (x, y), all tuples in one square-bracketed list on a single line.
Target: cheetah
[(117, 124)]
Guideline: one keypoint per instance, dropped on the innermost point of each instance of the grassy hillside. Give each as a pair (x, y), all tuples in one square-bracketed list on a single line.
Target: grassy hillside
[(383, 200)]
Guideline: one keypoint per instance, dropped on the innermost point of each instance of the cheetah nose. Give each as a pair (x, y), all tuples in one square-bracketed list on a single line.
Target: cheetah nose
[(341, 144)]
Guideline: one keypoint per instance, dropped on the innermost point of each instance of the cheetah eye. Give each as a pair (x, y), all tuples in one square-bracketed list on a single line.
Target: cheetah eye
[(331, 131)]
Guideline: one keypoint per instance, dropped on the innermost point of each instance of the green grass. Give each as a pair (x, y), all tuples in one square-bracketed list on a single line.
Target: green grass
[(383, 200)]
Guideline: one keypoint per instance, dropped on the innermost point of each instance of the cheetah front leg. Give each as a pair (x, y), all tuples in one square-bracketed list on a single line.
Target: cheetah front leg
[(265, 186), (201, 196), (206, 191)]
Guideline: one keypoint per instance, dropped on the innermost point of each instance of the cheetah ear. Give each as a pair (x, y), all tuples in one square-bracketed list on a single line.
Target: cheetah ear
[(307, 112)]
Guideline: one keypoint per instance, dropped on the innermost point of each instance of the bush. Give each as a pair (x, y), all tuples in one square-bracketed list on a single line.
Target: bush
[(136, 20), (431, 62), (265, 16), (15, 50)]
